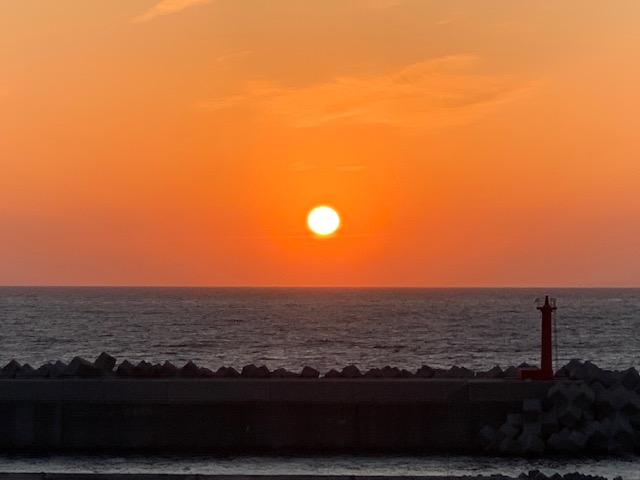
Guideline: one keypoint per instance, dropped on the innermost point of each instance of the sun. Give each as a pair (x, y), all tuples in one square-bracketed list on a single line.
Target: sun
[(323, 220)]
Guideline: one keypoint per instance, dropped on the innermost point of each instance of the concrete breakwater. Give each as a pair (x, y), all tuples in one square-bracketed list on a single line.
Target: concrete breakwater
[(96, 406)]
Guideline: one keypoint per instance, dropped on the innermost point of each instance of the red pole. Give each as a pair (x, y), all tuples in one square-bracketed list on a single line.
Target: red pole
[(546, 360)]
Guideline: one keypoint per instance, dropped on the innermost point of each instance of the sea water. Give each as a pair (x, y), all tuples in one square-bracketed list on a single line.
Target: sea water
[(324, 328)]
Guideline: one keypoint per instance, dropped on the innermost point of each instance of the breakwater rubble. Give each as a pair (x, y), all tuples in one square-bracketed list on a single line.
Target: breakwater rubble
[(532, 475), (106, 366), (587, 411)]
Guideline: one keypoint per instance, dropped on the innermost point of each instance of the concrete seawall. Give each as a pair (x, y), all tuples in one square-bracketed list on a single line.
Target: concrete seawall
[(242, 415)]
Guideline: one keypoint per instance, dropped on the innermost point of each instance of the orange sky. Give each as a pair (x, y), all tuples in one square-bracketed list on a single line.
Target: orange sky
[(182, 142)]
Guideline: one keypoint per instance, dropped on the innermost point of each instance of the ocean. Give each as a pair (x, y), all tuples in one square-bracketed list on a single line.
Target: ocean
[(324, 328)]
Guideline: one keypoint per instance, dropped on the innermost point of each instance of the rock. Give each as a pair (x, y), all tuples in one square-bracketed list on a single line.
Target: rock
[(57, 369), (228, 372), (439, 373), (282, 373), (583, 396), (309, 372), (105, 362), (390, 372), (44, 371), (576, 369), (606, 377), (511, 372), (190, 370), (597, 436), (559, 394), (10, 369), (531, 446), (143, 369), (373, 373), (424, 371), (168, 370), (512, 427), (549, 423), (509, 446), (531, 409), (125, 369), (351, 371), (333, 373), (26, 371), (577, 441), (79, 367), (252, 371), (569, 415), (557, 442)]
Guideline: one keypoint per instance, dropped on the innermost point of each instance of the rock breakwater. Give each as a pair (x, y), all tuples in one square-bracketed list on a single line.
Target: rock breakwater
[(107, 366), (587, 411)]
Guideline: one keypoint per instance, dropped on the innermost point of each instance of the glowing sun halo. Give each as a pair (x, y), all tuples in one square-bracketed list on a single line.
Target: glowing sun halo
[(323, 220)]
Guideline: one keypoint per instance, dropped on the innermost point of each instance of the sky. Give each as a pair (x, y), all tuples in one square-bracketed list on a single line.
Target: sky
[(183, 142)]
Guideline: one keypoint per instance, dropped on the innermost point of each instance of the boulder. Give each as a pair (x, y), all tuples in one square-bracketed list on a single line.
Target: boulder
[(549, 423), (10, 369), (309, 372), (105, 362), (390, 372), (282, 373), (531, 445), (168, 370), (424, 371), (373, 373), (510, 372), (333, 373), (351, 371), (26, 371), (558, 441), (227, 372), (531, 409), (583, 396), (125, 369), (44, 371), (190, 370), (143, 369), (81, 368), (569, 415), (57, 369)]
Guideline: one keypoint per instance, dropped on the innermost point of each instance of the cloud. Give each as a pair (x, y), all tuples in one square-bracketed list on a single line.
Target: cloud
[(439, 92), (350, 168), (167, 7), (378, 4), (233, 56)]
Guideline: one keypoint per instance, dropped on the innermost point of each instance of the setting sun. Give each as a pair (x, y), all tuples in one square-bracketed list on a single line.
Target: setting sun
[(323, 220)]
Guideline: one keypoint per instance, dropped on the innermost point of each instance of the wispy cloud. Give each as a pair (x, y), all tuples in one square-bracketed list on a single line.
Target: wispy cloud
[(233, 56), (438, 92), (378, 4), (350, 168), (167, 7)]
